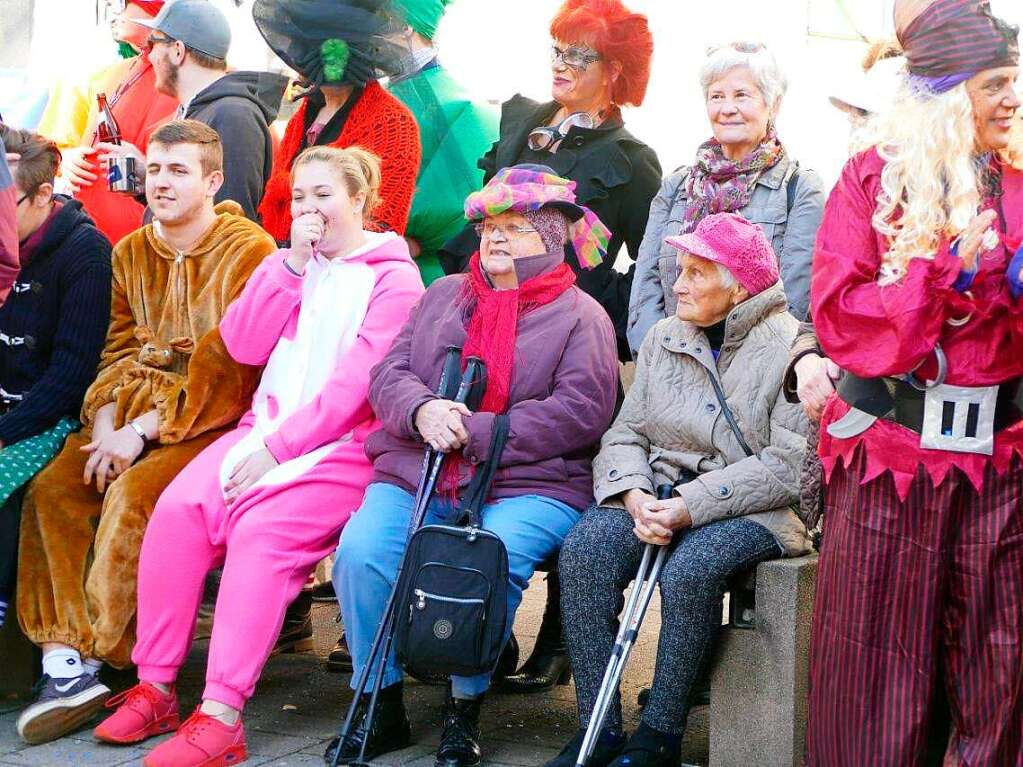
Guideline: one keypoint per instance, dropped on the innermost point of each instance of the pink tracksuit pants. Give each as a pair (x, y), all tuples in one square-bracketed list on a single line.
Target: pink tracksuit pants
[(268, 543)]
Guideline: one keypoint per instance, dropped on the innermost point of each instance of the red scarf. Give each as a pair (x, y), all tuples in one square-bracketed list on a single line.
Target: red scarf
[(491, 335), (494, 324)]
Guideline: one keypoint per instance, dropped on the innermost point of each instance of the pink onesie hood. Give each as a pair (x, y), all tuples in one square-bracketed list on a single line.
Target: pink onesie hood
[(380, 249)]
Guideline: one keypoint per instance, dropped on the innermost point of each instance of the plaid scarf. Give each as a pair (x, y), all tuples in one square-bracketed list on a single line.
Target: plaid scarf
[(716, 184)]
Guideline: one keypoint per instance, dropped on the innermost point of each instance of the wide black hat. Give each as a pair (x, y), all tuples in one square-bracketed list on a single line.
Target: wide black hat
[(331, 41)]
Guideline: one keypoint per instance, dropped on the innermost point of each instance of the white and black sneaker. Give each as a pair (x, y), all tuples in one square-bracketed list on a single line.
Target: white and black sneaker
[(61, 707)]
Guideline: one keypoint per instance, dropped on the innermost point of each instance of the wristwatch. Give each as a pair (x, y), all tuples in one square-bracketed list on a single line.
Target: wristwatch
[(140, 431)]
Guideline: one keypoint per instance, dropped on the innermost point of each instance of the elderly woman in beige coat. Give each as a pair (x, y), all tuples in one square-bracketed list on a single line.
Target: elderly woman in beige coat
[(732, 490)]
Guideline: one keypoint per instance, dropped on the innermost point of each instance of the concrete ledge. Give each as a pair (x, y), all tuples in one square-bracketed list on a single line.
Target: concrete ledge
[(759, 682)]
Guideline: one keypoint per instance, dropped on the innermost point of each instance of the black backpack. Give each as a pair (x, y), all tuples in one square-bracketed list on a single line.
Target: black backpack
[(452, 606)]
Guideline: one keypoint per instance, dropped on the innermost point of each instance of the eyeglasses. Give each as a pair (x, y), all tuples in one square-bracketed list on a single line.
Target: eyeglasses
[(576, 57), (487, 231), (546, 136), (748, 46), (154, 39), (22, 199)]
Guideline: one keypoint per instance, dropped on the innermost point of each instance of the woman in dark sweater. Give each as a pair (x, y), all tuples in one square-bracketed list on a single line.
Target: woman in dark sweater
[(52, 328), (600, 60)]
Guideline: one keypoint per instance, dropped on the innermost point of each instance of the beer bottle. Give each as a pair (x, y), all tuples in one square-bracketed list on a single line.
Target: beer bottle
[(121, 172), (107, 129)]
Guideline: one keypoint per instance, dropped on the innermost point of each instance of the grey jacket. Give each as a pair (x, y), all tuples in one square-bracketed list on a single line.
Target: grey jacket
[(791, 232), (671, 420)]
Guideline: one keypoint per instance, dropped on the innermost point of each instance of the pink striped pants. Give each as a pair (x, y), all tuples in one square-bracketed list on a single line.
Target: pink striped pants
[(906, 588)]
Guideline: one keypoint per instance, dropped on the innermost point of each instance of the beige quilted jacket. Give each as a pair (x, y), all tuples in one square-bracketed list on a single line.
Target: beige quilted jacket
[(671, 420)]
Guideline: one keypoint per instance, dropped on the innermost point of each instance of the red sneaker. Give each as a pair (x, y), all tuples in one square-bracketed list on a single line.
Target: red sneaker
[(142, 712), (202, 741)]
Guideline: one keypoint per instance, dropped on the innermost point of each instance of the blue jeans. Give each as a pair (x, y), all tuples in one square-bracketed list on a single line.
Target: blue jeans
[(532, 528)]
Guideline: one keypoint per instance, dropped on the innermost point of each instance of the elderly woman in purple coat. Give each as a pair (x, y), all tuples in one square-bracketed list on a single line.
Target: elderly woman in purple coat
[(551, 361)]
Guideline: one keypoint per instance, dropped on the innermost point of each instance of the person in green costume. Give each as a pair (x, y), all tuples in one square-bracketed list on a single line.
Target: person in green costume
[(454, 131)]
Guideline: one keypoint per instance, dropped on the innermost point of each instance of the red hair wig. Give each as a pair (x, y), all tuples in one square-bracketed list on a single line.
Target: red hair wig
[(617, 34)]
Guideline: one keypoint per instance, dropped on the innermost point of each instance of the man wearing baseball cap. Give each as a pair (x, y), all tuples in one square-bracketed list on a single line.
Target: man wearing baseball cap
[(188, 44), (71, 116)]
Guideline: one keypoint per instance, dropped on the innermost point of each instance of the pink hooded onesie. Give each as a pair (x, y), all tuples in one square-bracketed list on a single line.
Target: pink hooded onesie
[(319, 336)]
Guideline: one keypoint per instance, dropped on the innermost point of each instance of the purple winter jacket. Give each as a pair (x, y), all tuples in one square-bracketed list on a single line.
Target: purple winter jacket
[(562, 395)]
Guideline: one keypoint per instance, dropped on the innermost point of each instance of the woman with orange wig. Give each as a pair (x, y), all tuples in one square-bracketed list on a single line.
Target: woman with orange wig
[(600, 61)]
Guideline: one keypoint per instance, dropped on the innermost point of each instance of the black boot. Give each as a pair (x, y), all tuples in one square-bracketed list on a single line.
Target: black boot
[(607, 747), (650, 748), (324, 592), (391, 728), (509, 660), (459, 744), (297, 630), (340, 658), (548, 664)]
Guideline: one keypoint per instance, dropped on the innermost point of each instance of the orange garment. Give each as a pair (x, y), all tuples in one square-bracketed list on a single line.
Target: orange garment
[(138, 110), (378, 122), (79, 549)]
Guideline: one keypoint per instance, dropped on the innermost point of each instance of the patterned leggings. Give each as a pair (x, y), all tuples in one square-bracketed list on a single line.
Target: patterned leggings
[(599, 559)]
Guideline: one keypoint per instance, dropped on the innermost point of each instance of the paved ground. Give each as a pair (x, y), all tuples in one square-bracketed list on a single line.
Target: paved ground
[(298, 705)]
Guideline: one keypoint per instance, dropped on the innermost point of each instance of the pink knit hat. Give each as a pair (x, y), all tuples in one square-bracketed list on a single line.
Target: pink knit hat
[(737, 245)]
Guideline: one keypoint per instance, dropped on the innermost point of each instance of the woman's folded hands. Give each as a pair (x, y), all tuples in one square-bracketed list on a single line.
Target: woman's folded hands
[(656, 521)]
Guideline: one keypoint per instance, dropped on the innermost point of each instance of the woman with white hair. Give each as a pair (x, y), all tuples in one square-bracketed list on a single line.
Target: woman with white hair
[(719, 360), (744, 168), (916, 295)]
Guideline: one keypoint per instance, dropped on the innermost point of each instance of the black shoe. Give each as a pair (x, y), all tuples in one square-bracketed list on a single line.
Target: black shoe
[(459, 744), (607, 747), (650, 748), (324, 592), (340, 658), (297, 630), (391, 729), (509, 660), (548, 664)]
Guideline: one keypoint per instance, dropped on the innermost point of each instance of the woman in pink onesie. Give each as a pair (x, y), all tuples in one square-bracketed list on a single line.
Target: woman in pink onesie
[(267, 501)]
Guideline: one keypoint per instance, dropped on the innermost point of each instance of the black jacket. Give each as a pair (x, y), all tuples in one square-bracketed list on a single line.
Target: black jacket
[(240, 107), (54, 324), (617, 176)]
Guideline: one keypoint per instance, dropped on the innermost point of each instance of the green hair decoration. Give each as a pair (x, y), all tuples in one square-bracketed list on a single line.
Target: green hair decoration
[(334, 53)]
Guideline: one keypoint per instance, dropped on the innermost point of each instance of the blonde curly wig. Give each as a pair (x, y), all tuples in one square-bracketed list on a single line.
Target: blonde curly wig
[(929, 186)]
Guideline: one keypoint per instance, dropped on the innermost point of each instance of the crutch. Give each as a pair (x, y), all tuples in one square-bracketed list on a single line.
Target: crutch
[(635, 610), (468, 391)]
